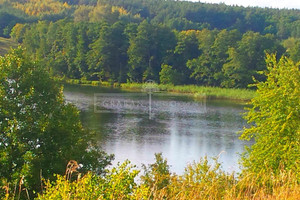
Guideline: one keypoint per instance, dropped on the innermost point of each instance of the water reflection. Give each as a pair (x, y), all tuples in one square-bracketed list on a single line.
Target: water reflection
[(183, 134)]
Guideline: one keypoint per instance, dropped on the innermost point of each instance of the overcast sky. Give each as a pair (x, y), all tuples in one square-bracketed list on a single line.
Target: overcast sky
[(260, 3)]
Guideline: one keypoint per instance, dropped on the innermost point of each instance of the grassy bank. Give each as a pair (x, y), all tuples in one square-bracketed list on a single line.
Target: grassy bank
[(196, 91), (86, 82), (199, 91), (6, 44)]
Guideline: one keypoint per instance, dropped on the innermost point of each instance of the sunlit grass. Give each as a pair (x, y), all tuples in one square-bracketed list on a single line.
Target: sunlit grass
[(6, 45), (200, 180), (195, 90), (199, 91)]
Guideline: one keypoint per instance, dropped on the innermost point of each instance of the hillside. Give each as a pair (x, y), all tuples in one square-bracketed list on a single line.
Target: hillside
[(6, 44), (179, 15)]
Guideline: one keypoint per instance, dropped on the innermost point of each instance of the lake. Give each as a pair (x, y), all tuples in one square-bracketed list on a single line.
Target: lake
[(181, 128)]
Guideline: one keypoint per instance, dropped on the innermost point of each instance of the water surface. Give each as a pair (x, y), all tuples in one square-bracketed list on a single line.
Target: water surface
[(181, 128)]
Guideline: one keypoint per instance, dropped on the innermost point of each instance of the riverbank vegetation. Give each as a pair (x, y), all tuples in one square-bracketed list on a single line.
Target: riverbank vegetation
[(200, 92), (199, 181)]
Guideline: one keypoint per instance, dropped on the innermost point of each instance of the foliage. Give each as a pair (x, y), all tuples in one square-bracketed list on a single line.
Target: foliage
[(41, 7), (102, 61), (9, 16), (294, 52), (201, 180), (179, 15), (157, 175), (147, 50), (247, 59), (275, 120), (18, 31), (127, 51), (130, 40), (81, 14), (206, 68), (40, 133), (118, 183), (168, 75)]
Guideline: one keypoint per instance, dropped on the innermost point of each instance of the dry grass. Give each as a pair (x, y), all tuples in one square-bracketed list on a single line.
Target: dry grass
[(6, 45), (282, 187), (200, 181)]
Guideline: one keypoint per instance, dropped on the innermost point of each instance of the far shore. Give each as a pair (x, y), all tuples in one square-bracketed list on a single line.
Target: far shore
[(197, 91)]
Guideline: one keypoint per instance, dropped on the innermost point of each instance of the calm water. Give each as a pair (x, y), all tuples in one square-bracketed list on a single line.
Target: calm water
[(182, 128)]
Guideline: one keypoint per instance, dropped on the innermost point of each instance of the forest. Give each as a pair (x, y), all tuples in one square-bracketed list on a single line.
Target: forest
[(171, 42)]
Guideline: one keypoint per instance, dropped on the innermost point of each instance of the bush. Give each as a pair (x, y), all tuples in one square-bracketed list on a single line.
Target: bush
[(39, 131), (275, 120), (168, 75), (201, 180), (118, 183)]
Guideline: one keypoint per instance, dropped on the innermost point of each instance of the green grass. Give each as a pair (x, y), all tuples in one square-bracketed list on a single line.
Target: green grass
[(6, 44), (85, 82), (195, 90), (199, 91)]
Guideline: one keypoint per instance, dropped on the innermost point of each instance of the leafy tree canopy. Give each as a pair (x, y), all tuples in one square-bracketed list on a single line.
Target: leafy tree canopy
[(40, 133), (275, 119)]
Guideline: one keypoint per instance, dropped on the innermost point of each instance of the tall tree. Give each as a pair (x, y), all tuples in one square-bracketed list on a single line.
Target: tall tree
[(248, 58), (82, 48), (140, 53), (147, 51), (201, 67), (108, 56), (187, 48), (40, 133)]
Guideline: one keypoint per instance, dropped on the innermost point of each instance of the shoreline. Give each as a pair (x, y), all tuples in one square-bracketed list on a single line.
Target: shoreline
[(198, 92)]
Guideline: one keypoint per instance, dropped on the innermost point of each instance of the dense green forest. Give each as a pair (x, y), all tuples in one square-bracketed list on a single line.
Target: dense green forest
[(171, 42)]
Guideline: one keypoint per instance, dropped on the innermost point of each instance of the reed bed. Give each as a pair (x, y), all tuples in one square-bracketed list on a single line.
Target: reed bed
[(194, 90), (199, 91)]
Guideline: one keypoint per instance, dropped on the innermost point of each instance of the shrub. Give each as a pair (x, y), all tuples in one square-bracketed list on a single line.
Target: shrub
[(275, 120), (39, 131)]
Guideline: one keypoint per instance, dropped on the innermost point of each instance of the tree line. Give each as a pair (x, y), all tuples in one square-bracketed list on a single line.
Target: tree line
[(171, 42), (179, 15), (135, 52)]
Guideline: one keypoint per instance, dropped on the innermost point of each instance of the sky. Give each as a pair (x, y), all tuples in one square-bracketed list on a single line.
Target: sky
[(260, 3)]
